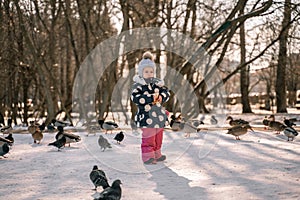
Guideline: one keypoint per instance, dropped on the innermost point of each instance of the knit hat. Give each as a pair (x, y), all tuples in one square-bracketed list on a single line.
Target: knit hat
[(147, 61)]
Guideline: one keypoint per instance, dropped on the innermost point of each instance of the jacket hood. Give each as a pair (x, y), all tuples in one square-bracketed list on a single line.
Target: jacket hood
[(142, 81)]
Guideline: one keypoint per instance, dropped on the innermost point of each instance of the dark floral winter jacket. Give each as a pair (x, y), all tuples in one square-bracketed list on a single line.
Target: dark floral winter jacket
[(149, 114)]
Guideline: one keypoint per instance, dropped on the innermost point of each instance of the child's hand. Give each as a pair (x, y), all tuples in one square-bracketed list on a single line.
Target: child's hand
[(157, 98)]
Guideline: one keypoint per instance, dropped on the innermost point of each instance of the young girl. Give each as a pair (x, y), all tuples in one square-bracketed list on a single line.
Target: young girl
[(148, 94)]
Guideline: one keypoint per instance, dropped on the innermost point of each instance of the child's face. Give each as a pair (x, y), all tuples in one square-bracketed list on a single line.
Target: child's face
[(148, 72)]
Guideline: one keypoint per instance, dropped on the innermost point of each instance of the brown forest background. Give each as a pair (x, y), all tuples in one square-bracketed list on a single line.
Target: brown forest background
[(44, 42)]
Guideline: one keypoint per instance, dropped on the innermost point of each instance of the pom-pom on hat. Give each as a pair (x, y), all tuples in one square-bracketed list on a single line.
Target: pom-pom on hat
[(147, 61)]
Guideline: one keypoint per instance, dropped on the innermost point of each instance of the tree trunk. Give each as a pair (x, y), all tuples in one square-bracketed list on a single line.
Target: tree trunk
[(244, 77), (282, 60)]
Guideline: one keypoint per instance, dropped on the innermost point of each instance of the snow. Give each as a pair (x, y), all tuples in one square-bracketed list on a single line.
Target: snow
[(208, 165)]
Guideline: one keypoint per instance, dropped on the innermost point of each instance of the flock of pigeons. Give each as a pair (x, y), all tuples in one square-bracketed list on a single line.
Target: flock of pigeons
[(177, 123), (62, 138)]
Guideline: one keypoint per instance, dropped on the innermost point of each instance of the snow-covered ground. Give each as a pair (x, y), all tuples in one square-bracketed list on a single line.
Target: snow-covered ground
[(208, 165)]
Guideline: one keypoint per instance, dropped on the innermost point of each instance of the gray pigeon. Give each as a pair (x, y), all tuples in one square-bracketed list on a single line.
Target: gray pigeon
[(111, 193), (108, 125), (98, 177), (213, 120), (103, 143), (290, 133)]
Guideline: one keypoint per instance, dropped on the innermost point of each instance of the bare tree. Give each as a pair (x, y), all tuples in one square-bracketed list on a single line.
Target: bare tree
[(244, 78), (282, 60)]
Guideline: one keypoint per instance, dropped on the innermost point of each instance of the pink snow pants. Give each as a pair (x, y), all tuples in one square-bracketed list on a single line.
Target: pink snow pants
[(151, 143)]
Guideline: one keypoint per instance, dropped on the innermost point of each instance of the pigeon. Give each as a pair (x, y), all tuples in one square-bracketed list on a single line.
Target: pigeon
[(289, 122), (58, 143), (111, 193), (4, 148), (10, 138), (5, 140), (92, 127), (175, 122), (196, 122), (37, 136), (108, 125), (70, 138), (103, 143), (98, 178), (8, 128), (175, 125), (58, 123), (119, 137), (290, 133), (236, 122), (213, 120), (237, 131)]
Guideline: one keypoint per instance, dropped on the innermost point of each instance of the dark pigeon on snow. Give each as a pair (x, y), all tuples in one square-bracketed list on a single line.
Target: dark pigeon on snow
[(98, 178), (4, 146), (119, 137), (111, 193), (10, 138)]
